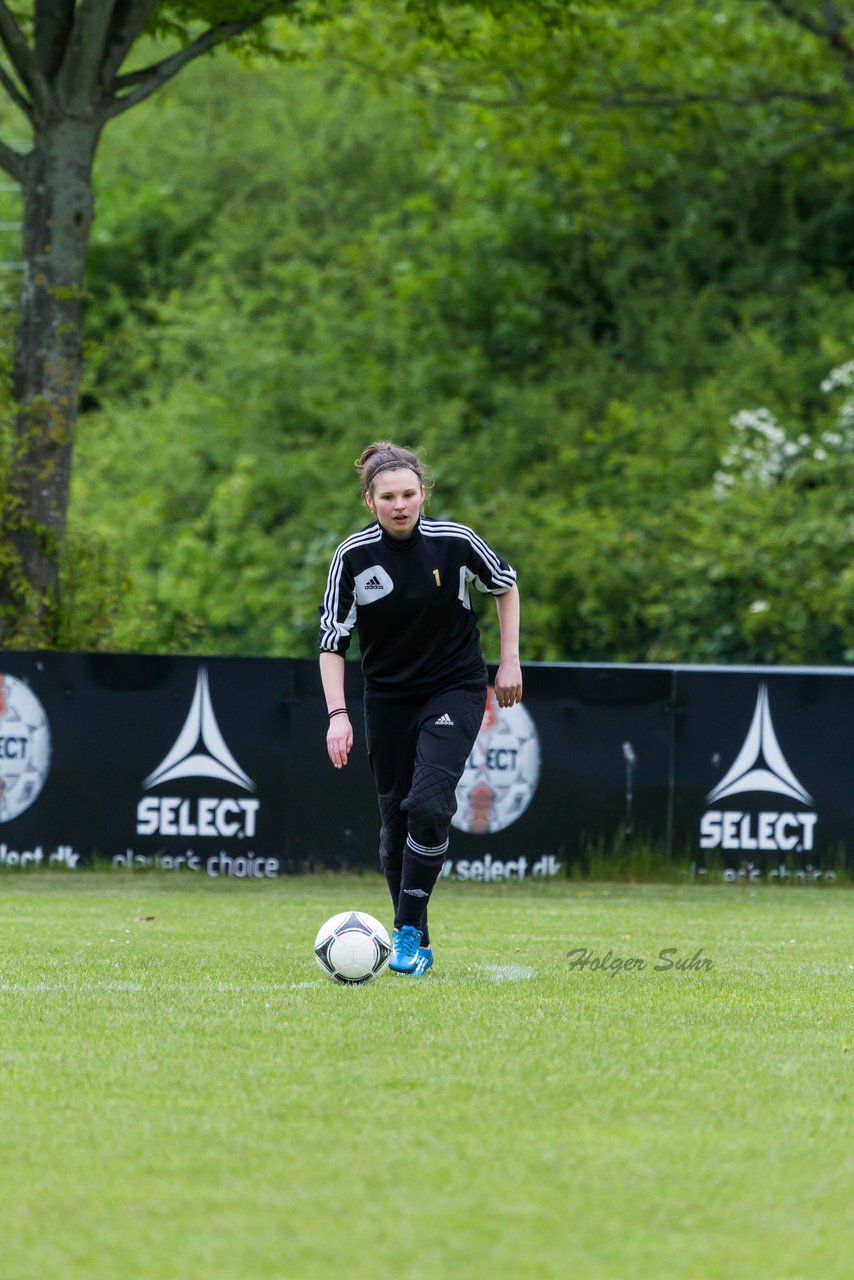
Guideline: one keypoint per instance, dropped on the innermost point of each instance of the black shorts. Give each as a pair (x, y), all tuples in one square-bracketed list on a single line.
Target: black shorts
[(437, 731)]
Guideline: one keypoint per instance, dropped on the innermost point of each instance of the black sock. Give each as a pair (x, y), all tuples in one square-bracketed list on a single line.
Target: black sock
[(392, 879), (392, 844), (420, 873)]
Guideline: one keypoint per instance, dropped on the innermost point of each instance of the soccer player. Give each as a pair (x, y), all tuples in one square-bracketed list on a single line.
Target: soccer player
[(405, 581)]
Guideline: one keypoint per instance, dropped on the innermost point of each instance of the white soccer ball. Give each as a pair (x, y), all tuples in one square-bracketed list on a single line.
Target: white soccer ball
[(352, 948)]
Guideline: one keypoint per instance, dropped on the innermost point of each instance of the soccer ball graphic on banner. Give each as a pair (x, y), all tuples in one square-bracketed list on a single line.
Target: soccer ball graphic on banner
[(352, 948)]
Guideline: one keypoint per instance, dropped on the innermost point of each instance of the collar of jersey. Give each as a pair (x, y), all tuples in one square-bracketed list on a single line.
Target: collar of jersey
[(402, 544)]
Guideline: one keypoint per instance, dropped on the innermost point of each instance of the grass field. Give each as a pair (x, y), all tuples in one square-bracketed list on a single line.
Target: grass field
[(185, 1096)]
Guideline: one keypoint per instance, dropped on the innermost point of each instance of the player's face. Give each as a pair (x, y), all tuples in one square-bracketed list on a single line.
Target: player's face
[(396, 501)]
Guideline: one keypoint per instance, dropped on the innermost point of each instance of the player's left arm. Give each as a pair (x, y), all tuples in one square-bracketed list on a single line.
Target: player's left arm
[(508, 679)]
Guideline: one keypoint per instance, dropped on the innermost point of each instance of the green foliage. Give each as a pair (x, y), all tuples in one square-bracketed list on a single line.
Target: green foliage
[(568, 306)]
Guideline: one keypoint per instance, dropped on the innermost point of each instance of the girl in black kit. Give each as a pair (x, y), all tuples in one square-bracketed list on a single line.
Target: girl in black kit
[(405, 581)]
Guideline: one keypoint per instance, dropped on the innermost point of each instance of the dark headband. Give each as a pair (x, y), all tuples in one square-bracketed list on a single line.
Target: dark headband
[(388, 462)]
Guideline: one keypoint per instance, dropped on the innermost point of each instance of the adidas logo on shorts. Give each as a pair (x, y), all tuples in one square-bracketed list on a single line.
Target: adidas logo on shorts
[(444, 720)]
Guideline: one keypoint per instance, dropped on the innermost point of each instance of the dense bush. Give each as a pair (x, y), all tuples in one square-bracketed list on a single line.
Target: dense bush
[(571, 312)]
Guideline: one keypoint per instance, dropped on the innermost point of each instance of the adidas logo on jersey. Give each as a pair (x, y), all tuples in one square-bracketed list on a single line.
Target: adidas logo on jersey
[(372, 584), (444, 720)]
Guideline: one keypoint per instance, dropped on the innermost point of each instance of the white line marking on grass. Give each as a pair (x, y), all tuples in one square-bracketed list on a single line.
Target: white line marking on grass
[(69, 985), (205, 988), (226, 986), (508, 972), (33, 986)]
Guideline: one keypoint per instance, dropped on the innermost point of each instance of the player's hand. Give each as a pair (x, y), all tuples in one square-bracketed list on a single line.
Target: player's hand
[(339, 740), (508, 684)]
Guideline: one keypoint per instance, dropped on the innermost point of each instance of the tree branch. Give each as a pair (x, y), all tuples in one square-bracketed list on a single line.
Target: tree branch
[(823, 135), (141, 84), (130, 18), (650, 98), (13, 162), (51, 27), (635, 95), (411, 82), (14, 93), (79, 76), (22, 59), (831, 30)]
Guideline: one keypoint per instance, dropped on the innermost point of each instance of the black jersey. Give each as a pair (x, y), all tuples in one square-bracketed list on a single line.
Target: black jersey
[(411, 601)]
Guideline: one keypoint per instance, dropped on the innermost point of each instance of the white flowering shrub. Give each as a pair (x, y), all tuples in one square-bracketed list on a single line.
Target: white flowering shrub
[(762, 453)]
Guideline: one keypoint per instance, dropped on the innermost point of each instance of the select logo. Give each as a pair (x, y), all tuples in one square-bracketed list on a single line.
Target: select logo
[(501, 774), (24, 747), (760, 768), (199, 752)]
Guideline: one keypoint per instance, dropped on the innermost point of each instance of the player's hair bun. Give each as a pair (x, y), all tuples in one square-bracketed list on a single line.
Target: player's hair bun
[(383, 455)]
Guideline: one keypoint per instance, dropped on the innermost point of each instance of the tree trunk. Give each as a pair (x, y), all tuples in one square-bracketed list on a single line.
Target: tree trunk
[(58, 211), (68, 83)]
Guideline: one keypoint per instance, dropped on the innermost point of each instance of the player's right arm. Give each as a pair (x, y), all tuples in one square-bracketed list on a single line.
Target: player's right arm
[(337, 619), (339, 735)]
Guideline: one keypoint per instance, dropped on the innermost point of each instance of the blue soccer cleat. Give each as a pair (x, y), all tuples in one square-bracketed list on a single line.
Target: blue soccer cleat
[(423, 962), (404, 949)]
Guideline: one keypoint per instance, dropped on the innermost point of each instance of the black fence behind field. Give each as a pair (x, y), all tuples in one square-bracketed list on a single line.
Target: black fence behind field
[(219, 766)]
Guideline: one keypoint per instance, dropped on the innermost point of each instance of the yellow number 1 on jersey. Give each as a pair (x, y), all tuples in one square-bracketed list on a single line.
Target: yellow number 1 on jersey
[(436, 576)]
